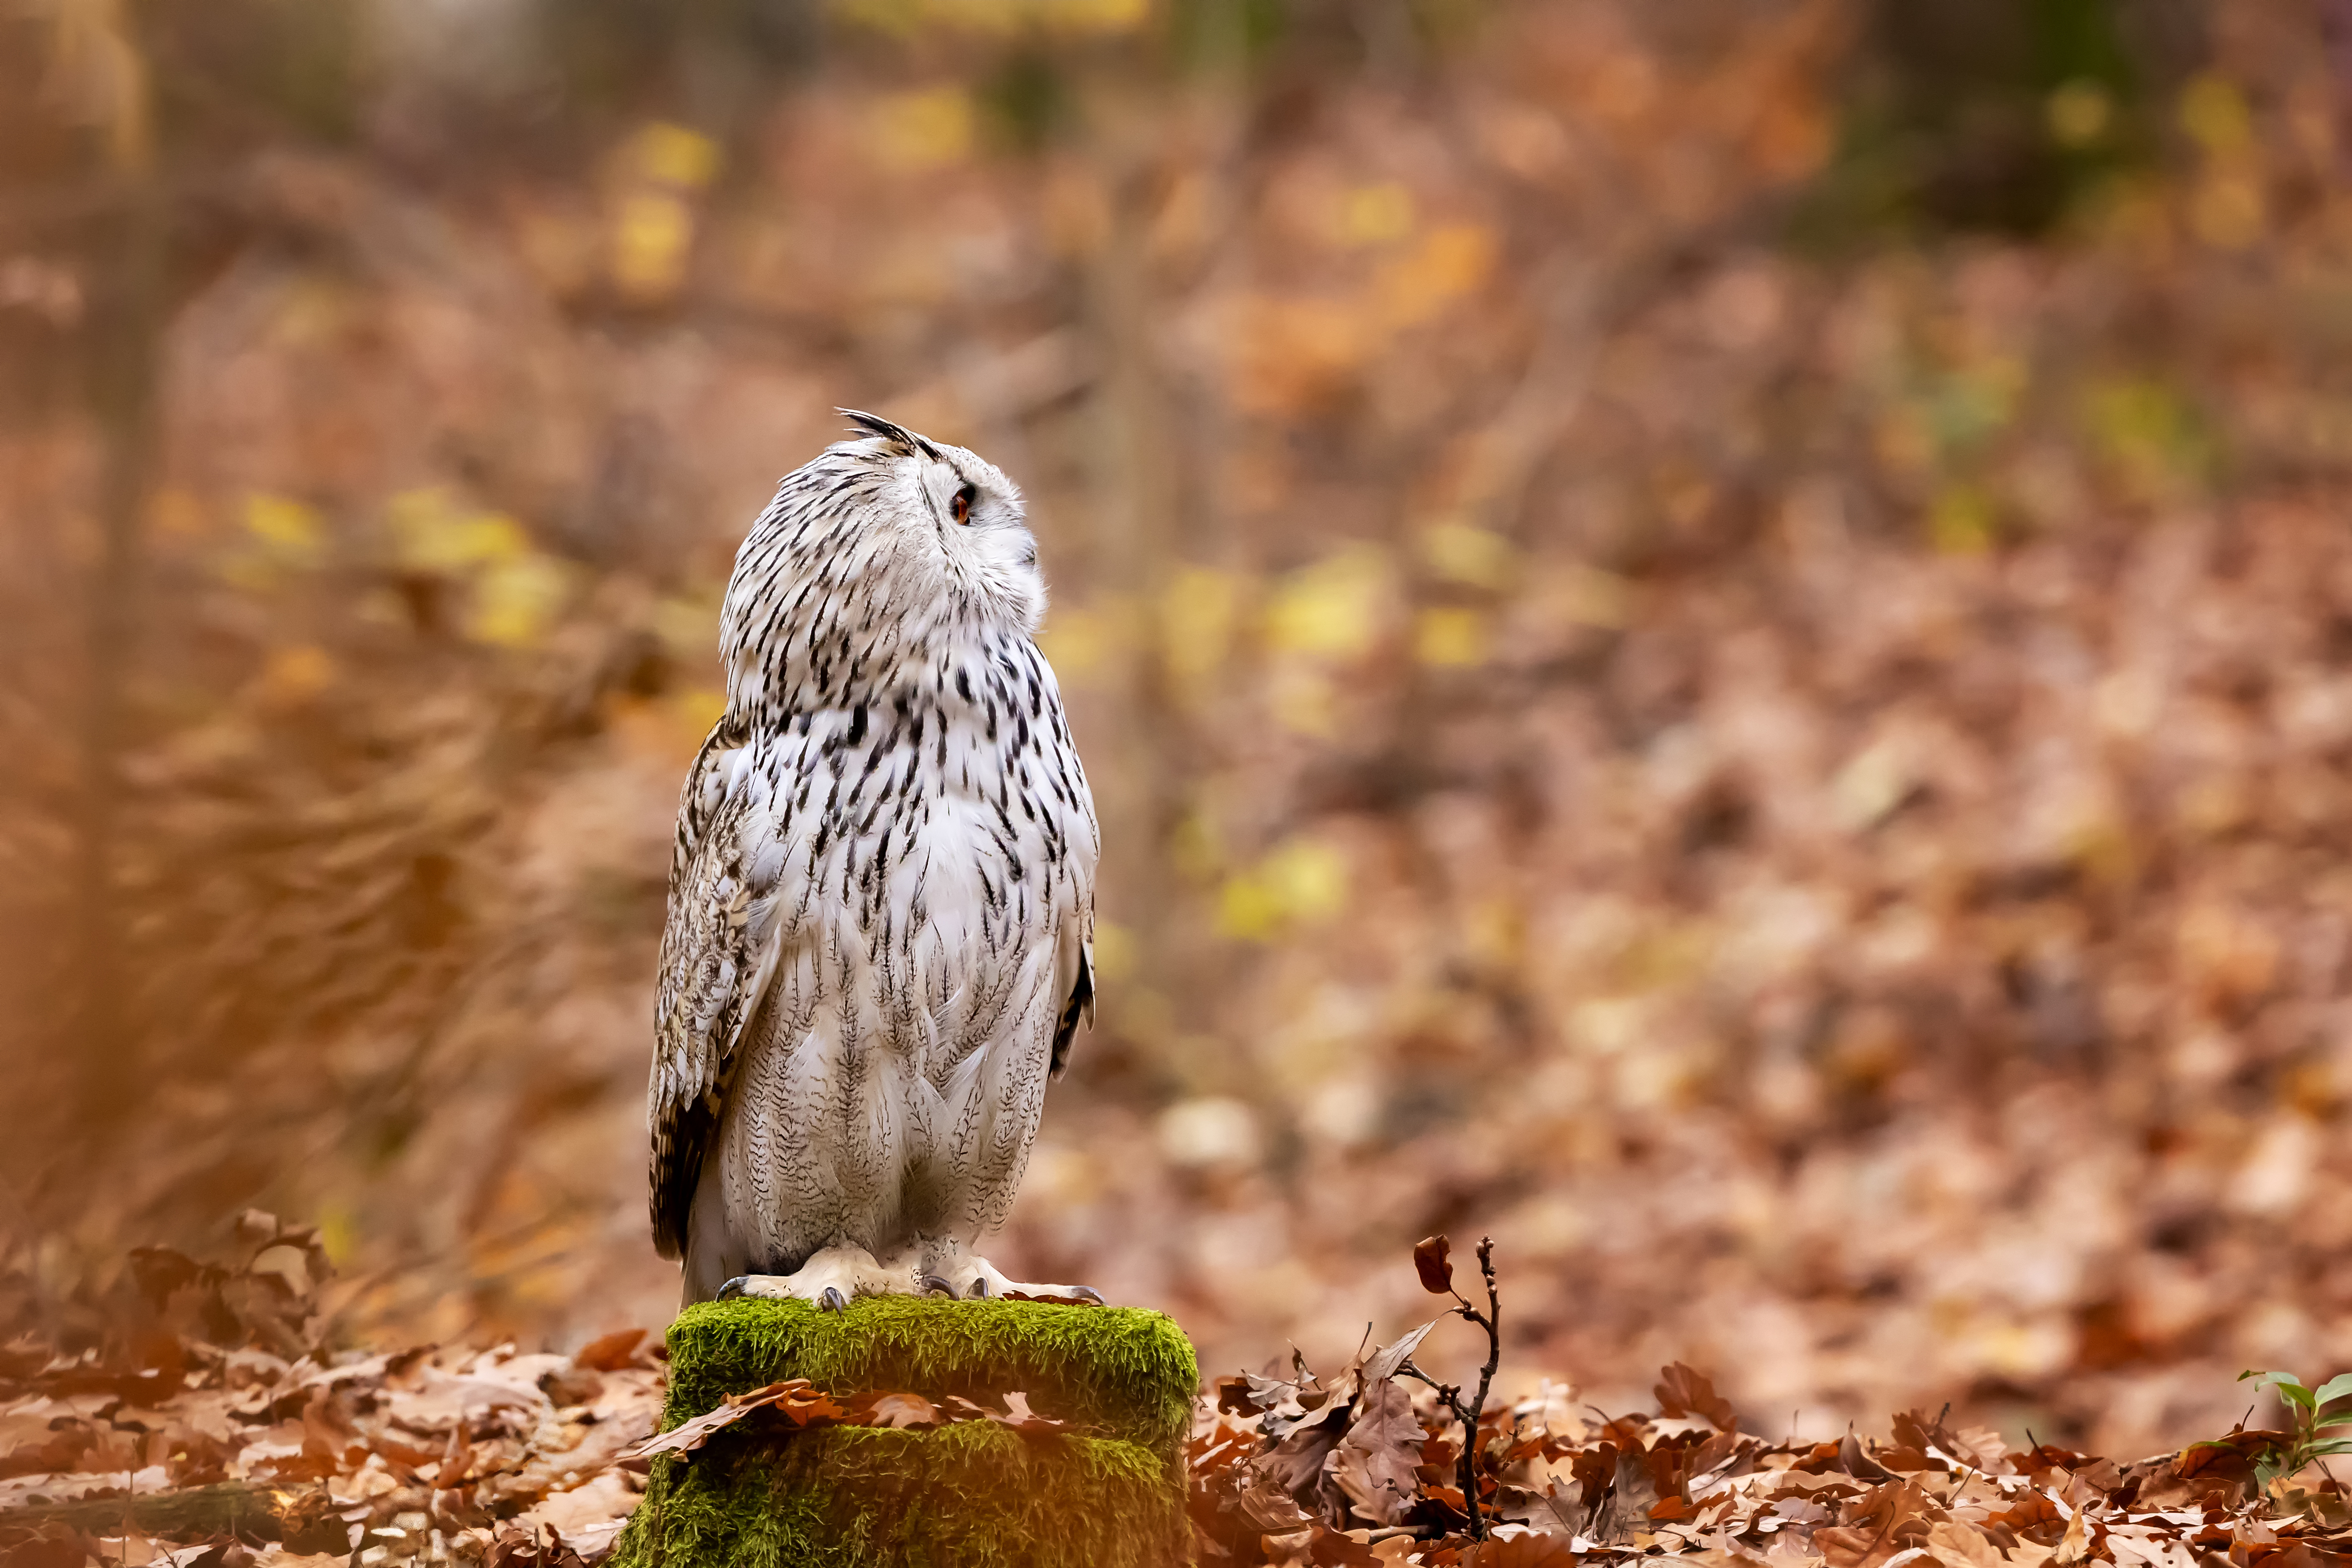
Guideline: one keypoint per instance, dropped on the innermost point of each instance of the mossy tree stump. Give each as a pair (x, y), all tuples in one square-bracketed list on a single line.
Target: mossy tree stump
[(1107, 1493)]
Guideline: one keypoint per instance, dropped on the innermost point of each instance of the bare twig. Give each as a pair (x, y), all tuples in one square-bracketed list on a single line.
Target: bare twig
[(1473, 1412), (1491, 1321)]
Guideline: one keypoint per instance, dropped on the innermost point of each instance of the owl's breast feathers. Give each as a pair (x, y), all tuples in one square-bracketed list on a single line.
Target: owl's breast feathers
[(934, 841)]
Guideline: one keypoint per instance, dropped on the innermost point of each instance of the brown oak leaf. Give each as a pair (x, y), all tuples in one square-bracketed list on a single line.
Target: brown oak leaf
[(1430, 1261)]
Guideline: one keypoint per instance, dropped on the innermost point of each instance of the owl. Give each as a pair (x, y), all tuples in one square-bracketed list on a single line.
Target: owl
[(879, 943)]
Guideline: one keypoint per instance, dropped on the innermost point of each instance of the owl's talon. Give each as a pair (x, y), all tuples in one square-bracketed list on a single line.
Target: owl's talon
[(833, 1300), (732, 1288), (983, 1282), (935, 1286)]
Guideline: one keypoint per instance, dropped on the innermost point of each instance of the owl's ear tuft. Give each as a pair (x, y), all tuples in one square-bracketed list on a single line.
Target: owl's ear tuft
[(874, 424)]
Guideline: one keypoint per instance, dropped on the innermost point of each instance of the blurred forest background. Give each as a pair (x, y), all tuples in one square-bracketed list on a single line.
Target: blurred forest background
[(1714, 637)]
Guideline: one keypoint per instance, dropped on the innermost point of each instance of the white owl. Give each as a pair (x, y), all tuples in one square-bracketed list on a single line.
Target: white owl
[(881, 902)]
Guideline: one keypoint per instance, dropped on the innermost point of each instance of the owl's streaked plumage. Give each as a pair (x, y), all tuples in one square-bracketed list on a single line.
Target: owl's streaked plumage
[(881, 901)]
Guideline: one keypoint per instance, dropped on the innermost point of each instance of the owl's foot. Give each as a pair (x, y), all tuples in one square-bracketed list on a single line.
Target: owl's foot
[(832, 1279), (976, 1279)]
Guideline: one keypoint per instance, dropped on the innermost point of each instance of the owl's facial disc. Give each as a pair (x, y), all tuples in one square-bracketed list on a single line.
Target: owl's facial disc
[(980, 531)]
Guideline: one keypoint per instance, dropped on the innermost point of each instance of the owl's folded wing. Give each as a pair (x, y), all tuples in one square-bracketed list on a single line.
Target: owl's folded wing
[(1078, 1006), (716, 956)]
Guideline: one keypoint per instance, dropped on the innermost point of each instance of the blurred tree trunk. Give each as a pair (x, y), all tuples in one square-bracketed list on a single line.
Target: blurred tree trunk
[(123, 251), (1136, 507)]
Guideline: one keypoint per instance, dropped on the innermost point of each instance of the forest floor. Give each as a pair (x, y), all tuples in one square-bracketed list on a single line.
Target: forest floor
[(1802, 787), (194, 1420)]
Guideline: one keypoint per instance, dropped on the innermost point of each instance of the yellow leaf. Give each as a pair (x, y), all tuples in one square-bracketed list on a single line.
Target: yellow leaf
[(675, 155), (906, 18), (289, 530), (1247, 909), (1078, 642), (1302, 880), (1092, 15), (310, 311), (1374, 215), (929, 129), (1114, 952), (431, 533), (1450, 638), (1198, 610), (1331, 608), (651, 233), (2213, 112), (1961, 522), (700, 710), (1310, 878), (2147, 431), (1195, 847), (687, 627), (516, 600), (1460, 553), (2079, 113), (339, 1233)]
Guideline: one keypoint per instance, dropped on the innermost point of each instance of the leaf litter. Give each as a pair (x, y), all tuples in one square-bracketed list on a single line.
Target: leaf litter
[(196, 1416), (1356, 1469), (168, 1427)]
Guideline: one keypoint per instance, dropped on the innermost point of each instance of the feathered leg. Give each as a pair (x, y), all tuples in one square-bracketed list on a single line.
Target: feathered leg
[(833, 1278)]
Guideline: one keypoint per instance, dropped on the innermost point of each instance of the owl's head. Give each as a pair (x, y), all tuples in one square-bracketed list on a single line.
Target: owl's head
[(882, 549), (954, 521)]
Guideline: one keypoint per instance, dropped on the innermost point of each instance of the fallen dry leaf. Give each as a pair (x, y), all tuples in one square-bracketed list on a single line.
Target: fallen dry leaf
[(797, 1401), (895, 1410), (1376, 1462), (1431, 1262)]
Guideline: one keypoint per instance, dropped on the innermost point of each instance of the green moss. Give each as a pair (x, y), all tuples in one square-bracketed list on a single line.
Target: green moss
[(1122, 1372), (971, 1495)]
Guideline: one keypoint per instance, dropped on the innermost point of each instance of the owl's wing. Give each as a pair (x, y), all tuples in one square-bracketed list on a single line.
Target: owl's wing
[(1081, 1005), (1075, 969), (716, 956)]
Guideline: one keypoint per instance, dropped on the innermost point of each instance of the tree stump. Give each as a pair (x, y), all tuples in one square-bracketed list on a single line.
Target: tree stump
[(1107, 1491)]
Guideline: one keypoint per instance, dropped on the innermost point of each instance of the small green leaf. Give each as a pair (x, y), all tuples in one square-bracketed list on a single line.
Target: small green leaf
[(2333, 1446), (2288, 1387), (2335, 1388)]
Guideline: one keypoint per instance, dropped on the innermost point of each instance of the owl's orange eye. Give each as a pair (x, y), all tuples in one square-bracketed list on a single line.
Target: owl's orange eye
[(963, 504)]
